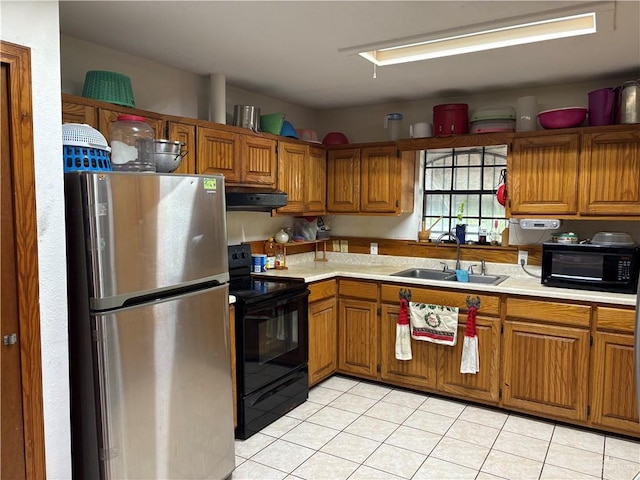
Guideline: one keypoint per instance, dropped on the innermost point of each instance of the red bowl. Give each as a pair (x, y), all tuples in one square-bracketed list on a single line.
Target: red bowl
[(335, 138), (562, 117)]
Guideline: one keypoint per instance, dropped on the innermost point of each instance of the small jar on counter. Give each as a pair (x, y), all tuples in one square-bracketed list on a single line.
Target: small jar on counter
[(132, 144)]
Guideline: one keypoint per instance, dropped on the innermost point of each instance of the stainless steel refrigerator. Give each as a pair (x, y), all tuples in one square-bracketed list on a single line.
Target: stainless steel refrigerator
[(637, 354), (149, 339)]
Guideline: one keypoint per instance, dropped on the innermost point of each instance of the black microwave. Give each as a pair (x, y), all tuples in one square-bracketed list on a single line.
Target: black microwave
[(586, 266)]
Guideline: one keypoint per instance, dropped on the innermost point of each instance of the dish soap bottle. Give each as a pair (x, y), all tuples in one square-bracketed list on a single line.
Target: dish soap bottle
[(270, 249)]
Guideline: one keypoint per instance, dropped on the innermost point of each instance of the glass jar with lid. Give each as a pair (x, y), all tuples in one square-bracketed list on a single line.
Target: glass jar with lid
[(132, 144)]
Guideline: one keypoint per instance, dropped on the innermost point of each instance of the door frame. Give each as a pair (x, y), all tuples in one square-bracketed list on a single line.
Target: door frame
[(18, 60)]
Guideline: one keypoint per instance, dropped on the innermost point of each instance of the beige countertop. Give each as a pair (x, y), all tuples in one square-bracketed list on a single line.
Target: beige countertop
[(380, 268)]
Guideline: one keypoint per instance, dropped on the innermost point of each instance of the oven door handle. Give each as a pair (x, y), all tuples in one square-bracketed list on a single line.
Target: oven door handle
[(271, 303)]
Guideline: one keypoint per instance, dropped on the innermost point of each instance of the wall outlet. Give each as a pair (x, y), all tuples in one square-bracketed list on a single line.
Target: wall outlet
[(523, 257), (344, 246), (373, 248)]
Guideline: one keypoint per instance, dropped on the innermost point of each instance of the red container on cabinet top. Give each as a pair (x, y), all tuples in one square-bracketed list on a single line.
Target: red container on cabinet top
[(450, 119)]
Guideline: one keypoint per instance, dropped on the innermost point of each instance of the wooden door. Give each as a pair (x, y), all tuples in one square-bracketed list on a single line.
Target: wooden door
[(316, 182), (609, 173), (357, 334), (418, 372), (258, 161), (22, 425), (343, 181), (323, 339), (614, 401), (484, 385), (185, 133), (543, 175), (380, 180), (218, 152), (546, 369), (292, 159)]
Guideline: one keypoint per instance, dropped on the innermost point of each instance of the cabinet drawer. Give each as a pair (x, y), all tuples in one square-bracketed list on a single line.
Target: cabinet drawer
[(489, 304), (622, 320), (362, 290), (552, 312), (320, 290)]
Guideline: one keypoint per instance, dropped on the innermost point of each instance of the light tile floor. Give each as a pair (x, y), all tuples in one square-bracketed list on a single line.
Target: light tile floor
[(350, 429)]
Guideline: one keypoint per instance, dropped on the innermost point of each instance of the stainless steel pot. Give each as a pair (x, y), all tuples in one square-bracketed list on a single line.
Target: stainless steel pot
[(627, 102), (247, 116)]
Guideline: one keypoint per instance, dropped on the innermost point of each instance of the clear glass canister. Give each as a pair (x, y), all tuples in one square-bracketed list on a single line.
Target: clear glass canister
[(393, 124), (132, 144)]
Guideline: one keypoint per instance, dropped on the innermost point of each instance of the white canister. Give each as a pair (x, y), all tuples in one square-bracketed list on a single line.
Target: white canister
[(526, 114), (393, 124), (421, 130)]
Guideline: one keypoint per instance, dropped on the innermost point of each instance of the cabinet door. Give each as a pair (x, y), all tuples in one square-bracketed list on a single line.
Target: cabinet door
[(343, 181), (315, 190), (610, 163), (420, 371), (379, 180), (77, 113), (614, 396), (546, 369), (186, 134), (484, 385), (292, 158), (107, 116), (543, 175), (358, 338), (218, 153), (258, 160), (323, 339)]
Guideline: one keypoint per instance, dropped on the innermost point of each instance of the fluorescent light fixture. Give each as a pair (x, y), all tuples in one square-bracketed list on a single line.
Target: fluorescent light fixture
[(539, 31)]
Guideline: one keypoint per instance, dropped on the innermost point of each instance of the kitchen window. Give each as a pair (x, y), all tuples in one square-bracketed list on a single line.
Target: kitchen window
[(460, 185)]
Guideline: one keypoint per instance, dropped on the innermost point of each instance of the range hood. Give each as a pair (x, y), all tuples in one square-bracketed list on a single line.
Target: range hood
[(254, 199)]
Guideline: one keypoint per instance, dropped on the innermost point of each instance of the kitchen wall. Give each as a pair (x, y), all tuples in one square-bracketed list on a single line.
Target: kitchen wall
[(35, 25), (168, 90)]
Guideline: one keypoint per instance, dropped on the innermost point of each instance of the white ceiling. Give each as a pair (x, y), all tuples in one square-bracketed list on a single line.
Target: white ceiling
[(289, 50)]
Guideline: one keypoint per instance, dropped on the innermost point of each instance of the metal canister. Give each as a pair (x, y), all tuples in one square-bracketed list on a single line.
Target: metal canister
[(246, 116), (628, 102)]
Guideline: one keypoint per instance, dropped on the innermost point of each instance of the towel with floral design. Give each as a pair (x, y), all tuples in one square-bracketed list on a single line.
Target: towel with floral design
[(433, 323)]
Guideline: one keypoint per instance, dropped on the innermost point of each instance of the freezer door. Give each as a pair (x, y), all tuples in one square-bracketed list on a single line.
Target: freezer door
[(148, 232), (164, 383)]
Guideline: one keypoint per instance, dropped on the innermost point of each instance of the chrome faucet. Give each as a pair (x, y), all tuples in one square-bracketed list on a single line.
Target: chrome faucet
[(483, 267), (453, 237)]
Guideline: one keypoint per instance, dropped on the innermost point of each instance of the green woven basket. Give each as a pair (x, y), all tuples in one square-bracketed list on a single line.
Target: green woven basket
[(109, 87), (272, 123)]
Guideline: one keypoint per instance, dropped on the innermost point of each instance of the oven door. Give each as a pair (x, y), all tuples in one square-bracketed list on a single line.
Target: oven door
[(271, 340)]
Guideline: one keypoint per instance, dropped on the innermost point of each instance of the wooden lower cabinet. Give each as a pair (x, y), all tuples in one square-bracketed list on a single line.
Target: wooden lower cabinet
[(483, 386), (323, 331), (546, 369), (420, 371), (614, 401)]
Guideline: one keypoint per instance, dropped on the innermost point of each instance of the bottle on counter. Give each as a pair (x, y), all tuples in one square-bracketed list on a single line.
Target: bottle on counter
[(280, 258), (270, 249)]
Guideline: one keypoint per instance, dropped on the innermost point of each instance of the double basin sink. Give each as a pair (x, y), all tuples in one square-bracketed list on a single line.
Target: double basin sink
[(448, 275)]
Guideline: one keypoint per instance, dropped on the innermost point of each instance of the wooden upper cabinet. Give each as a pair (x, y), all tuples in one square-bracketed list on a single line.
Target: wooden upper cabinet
[(302, 173), (543, 175), (610, 173), (73, 112), (343, 181), (379, 168), (258, 160), (218, 152), (186, 134), (316, 181), (292, 158), (107, 116)]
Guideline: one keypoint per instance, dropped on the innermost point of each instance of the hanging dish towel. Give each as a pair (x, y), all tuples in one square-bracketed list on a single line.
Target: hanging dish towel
[(434, 323), (403, 334), (470, 362)]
